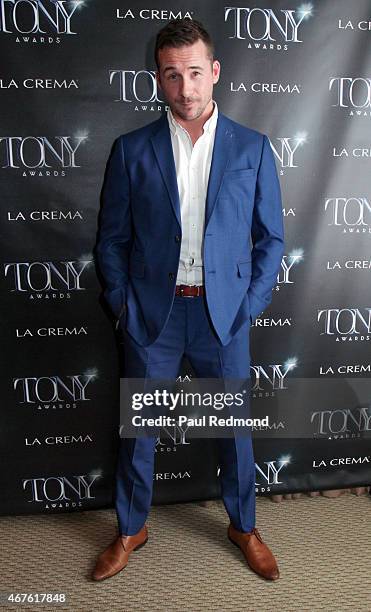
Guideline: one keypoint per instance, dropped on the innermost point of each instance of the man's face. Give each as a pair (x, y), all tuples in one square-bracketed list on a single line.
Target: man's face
[(186, 76)]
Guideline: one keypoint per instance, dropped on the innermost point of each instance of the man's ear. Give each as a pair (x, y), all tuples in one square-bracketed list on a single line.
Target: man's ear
[(216, 71), (158, 80)]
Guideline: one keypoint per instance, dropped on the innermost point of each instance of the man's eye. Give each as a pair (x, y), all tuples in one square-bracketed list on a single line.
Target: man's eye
[(196, 72), (172, 77)]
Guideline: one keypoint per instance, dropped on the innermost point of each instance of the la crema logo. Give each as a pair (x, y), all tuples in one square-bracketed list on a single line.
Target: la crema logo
[(152, 14)]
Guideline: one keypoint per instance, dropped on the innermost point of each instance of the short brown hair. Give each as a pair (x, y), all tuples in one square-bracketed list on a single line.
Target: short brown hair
[(179, 32)]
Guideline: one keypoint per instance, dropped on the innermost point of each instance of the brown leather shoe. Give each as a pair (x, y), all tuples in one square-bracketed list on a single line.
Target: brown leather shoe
[(257, 554), (116, 556)]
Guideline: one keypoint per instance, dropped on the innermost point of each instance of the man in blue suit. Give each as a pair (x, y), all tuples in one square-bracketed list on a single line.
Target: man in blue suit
[(190, 245)]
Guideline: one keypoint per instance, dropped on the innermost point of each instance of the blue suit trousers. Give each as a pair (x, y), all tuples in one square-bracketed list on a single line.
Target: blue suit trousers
[(187, 332)]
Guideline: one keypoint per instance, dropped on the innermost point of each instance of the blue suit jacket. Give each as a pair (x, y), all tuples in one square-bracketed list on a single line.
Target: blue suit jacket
[(140, 231)]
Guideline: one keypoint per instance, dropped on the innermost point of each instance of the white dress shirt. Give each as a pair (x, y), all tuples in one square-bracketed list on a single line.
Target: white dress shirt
[(192, 163)]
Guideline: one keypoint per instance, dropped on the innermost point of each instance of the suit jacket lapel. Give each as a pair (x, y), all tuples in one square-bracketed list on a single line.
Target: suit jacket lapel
[(221, 154), (163, 149)]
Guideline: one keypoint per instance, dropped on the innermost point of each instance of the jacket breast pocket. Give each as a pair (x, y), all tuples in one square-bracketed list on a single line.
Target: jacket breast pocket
[(242, 173), (136, 268)]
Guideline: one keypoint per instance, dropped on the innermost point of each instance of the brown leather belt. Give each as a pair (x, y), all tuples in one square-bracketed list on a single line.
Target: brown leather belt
[(189, 290)]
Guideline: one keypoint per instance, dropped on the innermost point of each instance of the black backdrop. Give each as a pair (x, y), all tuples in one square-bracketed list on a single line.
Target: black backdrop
[(75, 75)]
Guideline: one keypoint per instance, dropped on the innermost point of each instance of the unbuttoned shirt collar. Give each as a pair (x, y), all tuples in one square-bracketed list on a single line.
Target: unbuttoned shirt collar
[(209, 125)]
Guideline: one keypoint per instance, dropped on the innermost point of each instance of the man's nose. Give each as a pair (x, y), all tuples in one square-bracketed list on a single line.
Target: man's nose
[(186, 88)]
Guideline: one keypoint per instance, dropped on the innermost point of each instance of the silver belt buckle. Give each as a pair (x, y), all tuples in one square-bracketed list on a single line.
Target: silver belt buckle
[(188, 296), (181, 291)]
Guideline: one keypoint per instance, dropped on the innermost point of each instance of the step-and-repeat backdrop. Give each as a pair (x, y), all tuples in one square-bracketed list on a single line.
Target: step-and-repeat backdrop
[(73, 77)]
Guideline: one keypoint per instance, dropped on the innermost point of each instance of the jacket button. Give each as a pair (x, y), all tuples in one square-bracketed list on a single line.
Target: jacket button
[(177, 238), (171, 275)]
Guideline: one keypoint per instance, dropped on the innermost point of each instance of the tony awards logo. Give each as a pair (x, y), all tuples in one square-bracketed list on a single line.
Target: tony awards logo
[(287, 148), (266, 380), (266, 28), (40, 280), (53, 392), (268, 474), (39, 21), (288, 264), (342, 422), (345, 324), (137, 87), (56, 492), (350, 215), (352, 94), (40, 155)]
